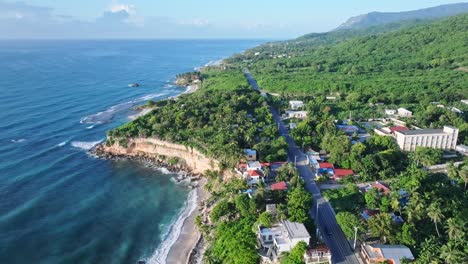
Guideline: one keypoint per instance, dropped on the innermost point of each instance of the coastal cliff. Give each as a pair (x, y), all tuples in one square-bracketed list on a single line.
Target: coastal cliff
[(163, 152)]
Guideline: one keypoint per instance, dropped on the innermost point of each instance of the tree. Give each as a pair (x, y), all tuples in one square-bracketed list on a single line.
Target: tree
[(243, 205), (455, 228), (385, 204), (381, 225), (435, 214), (372, 198), (427, 156), (406, 235), (463, 175), (348, 222), (223, 208), (451, 254), (265, 219), (299, 202), (296, 256)]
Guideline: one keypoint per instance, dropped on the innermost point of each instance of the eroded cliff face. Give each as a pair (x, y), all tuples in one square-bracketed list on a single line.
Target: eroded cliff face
[(193, 160)]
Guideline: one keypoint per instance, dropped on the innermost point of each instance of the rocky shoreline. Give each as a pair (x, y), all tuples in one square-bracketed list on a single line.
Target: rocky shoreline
[(155, 162)]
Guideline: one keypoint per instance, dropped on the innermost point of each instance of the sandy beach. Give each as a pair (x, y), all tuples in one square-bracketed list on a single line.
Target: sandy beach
[(189, 235)]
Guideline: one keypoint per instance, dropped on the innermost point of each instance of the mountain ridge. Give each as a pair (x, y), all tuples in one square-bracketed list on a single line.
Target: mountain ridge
[(380, 18)]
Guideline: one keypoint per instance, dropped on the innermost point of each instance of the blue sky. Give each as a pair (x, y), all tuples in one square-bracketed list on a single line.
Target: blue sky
[(271, 19)]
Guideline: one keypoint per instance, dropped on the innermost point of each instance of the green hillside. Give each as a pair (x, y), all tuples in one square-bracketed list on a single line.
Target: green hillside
[(415, 63)]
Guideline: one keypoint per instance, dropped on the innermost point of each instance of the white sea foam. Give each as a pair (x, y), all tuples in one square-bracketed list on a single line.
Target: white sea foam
[(164, 170), (170, 237), (18, 140), (62, 144), (107, 115), (85, 145), (90, 127)]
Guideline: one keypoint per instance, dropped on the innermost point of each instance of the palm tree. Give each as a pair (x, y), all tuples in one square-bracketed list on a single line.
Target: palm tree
[(435, 214), (451, 254), (395, 202), (463, 175), (381, 225), (455, 228)]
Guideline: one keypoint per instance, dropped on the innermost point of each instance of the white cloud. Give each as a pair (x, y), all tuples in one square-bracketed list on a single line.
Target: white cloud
[(130, 9)]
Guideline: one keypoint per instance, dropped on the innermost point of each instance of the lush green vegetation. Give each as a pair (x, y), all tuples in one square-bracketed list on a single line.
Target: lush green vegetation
[(218, 123)]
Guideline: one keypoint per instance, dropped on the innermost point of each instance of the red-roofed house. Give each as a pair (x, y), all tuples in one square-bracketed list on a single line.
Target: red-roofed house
[(253, 176), (326, 165), (382, 187), (279, 186), (398, 128), (342, 173)]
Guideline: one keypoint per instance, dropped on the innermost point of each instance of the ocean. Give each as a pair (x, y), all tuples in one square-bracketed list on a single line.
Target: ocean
[(58, 204)]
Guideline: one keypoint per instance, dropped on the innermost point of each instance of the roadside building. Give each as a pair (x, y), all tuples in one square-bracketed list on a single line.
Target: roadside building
[(250, 154), (296, 114), (404, 112), (390, 112), (326, 167), (282, 237), (377, 253), (253, 177), (294, 105), (342, 173), (445, 138), (320, 254)]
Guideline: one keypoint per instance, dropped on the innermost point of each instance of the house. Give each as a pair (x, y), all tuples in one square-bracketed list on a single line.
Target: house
[(294, 105), (394, 129), (348, 129), (381, 187), (404, 112), (376, 253), (326, 167), (250, 154), (456, 110), (318, 254), (390, 112), (253, 177), (462, 149), (389, 131), (445, 138), (282, 237), (279, 186), (254, 165), (342, 173), (296, 114)]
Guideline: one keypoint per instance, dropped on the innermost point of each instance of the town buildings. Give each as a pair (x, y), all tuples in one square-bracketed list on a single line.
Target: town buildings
[(376, 253), (445, 138), (282, 237), (319, 254), (296, 114), (404, 112), (294, 105)]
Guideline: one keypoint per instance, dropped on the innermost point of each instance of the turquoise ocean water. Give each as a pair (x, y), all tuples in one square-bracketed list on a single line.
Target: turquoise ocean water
[(57, 99)]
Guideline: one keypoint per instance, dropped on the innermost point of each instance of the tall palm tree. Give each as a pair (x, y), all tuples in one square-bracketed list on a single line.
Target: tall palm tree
[(435, 214), (463, 175), (455, 228), (395, 202), (381, 225)]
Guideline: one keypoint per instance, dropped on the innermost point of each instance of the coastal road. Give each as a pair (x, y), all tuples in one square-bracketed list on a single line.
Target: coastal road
[(321, 210)]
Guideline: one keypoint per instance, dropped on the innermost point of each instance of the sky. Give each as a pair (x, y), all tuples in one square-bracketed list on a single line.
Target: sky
[(186, 19)]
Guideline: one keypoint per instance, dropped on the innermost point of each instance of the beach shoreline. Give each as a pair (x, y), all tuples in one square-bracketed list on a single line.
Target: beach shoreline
[(182, 251)]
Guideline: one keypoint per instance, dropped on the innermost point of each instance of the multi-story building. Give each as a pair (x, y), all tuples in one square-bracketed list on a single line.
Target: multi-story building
[(375, 253), (282, 237), (445, 138)]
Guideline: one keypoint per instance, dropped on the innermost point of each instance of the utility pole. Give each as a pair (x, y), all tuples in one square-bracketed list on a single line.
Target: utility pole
[(355, 236)]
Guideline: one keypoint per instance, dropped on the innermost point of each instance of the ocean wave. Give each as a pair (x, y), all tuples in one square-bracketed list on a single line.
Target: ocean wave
[(62, 144), (90, 127), (107, 115), (170, 237), (85, 145), (18, 140)]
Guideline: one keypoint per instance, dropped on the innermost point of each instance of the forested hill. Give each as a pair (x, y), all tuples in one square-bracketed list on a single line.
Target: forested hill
[(421, 63), (378, 18)]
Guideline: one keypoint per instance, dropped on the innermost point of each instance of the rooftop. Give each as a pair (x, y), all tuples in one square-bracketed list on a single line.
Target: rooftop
[(421, 131), (389, 252), (250, 152), (279, 186), (326, 165), (295, 230), (398, 128), (343, 172)]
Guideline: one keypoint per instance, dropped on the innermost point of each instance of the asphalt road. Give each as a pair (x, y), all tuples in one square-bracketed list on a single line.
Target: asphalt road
[(321, 210)]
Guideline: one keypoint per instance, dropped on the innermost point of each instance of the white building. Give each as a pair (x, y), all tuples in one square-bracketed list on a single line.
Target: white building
[(296, 104), (296, 114), (282, 237), (462, 149), (464, 101), (445, 138), (390, 112), (404, 112)]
